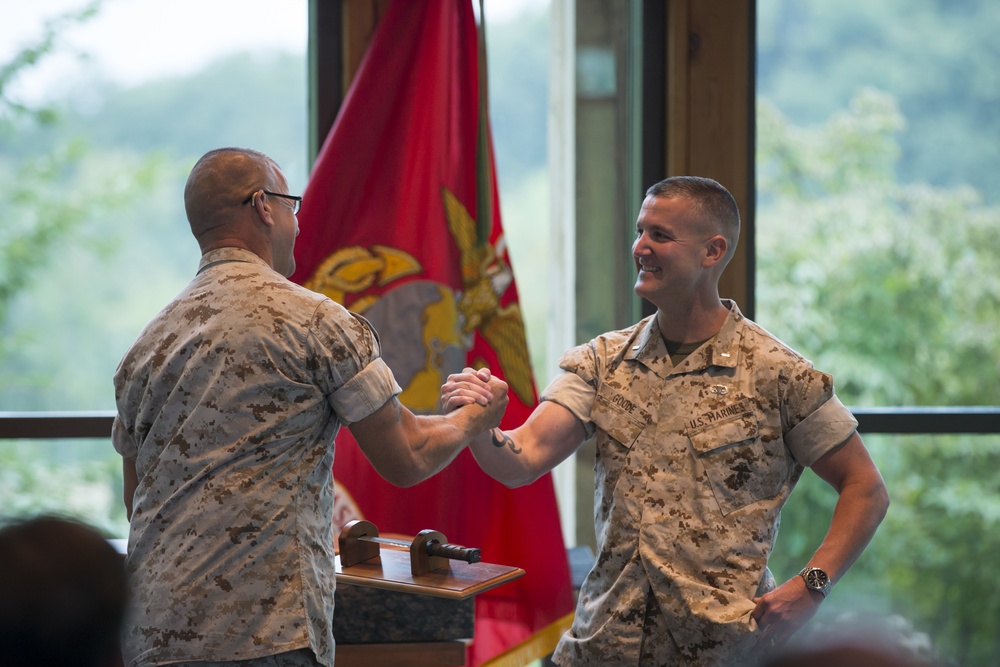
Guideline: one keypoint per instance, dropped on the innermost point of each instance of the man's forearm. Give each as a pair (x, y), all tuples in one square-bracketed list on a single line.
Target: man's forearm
[(499, 455), (858, 513), (862, 501), (440, 438), (406, 449)]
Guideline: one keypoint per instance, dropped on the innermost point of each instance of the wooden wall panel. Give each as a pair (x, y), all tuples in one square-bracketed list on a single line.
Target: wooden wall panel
[(359, 20), (709, 112)]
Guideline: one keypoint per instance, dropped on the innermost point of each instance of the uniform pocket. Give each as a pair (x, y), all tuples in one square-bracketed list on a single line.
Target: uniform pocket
[(619, 423), (617, 420), (736, 462)]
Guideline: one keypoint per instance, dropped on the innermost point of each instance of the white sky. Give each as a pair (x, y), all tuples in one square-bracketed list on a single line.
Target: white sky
[(131, 41)]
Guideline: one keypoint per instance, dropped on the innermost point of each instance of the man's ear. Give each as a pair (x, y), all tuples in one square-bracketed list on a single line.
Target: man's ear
[(262, 207), (717, 247)]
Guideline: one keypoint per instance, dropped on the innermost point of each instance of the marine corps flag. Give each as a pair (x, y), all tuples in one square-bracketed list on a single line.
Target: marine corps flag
[(400, 222)]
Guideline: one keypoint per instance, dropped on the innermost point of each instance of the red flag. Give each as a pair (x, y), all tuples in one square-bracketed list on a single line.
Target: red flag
[(400, 222)]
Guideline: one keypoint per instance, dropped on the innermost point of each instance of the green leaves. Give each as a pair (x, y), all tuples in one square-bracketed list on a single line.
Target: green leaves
[(892, 287), (30, 56)]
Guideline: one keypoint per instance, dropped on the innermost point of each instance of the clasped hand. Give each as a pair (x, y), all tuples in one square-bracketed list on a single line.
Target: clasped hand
[(472, 386), (475, 387)]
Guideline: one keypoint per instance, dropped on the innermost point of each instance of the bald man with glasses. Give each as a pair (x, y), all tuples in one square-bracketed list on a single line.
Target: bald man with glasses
[(228, 405)]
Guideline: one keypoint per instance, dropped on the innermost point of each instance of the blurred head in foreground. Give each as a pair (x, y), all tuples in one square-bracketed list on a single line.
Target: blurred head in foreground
[(62, 594)]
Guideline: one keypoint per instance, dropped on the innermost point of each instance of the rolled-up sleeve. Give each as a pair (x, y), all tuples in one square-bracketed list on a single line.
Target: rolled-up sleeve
[(356, 380), (819, 432), (365, 393), (573, 393), (122, 441)]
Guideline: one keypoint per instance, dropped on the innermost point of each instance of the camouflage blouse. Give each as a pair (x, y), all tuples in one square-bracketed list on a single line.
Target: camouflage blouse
[(693, 465), (229, 402)]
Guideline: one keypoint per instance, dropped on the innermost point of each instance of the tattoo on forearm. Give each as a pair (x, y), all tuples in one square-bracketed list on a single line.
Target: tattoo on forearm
[(501, 439)]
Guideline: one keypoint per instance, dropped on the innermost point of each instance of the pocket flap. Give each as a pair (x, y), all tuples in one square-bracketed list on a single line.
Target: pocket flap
[(722, 435), (615, 421)]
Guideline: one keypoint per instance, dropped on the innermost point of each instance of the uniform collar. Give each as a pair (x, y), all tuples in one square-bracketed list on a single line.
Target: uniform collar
[(229, 254), (722, 350)]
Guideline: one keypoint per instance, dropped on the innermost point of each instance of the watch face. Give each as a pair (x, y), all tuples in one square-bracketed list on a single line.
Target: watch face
[(817, 579)]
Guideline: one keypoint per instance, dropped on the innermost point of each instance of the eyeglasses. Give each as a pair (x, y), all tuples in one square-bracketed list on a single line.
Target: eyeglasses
[(296, 202)]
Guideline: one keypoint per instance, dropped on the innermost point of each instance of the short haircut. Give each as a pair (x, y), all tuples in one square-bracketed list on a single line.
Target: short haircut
[(711, 199), (222, 178)]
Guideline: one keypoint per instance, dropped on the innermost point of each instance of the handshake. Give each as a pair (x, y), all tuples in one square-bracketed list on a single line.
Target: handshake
[(476, 387)]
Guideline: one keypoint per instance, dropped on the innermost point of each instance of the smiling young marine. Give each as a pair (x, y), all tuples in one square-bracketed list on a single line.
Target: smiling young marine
[(704, 423)]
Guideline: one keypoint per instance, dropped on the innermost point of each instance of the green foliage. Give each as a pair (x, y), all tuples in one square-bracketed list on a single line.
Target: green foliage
[(126, 248), (27, 58), (85, 484), (939, 60), (891, 287), (929, 562), (52, 190), (875, 233), (50, 196), (57, 193), (256, 100), (27, 186), (884, 282)]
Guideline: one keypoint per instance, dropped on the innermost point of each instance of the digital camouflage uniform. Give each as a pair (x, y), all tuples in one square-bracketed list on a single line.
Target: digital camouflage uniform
[(231, 398), (693, 465)]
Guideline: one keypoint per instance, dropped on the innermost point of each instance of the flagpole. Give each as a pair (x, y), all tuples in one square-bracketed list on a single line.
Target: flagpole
[(484, 175)]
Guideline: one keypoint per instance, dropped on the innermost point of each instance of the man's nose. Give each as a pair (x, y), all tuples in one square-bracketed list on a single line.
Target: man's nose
[(639, 246)]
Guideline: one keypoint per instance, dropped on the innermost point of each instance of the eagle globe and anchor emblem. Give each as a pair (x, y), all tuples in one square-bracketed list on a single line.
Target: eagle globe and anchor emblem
[(445, 319)]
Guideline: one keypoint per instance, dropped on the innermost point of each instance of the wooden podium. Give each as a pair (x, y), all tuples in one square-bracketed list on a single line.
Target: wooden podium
[(411, 604)]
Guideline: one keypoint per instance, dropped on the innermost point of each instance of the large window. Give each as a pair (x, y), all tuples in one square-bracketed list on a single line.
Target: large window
[(877, 212), (122, 100), (102, 116), (98, 240)]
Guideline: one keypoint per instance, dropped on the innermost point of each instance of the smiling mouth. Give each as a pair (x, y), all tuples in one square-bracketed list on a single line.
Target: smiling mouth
[(648, 269)]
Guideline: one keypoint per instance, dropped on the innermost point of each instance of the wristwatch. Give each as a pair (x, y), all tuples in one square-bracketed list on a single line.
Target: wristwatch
[(816, 580)]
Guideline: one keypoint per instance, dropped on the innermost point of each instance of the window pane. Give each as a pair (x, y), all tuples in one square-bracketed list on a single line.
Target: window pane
[(96, 240), (927, 577), (81, 478), (876, 128), (517, 39), (877, 196)]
